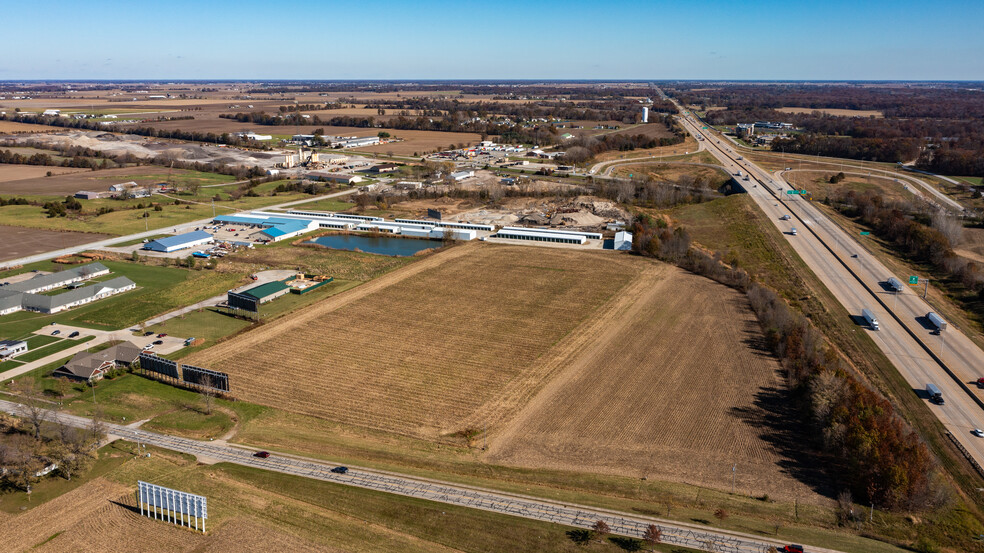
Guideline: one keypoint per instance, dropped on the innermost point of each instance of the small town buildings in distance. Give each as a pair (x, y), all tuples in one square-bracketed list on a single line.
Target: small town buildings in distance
[(179, 242)]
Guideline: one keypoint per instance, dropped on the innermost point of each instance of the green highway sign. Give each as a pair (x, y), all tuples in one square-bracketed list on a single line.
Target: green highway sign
[(865, 233), (800, 192), (705, 128), (913, 280)]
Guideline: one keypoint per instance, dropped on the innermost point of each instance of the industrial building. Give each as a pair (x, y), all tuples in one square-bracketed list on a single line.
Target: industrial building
[(92, 366), (462, 175), (339, 178), (334, 215), (12, 348), (274, 228), (589, 235), (448, 224), (745, 130), (251, 299), (623, 240), (354, 142), (179, 242), (538, 235)]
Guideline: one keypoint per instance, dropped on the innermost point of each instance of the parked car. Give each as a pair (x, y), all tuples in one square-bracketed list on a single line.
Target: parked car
[(162, 334), (792, 548), (158, 342), (262, 454), (74, 334), (340, 470), (56, 333)]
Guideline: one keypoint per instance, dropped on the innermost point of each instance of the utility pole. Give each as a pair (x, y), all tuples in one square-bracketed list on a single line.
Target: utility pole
[(733, 468)]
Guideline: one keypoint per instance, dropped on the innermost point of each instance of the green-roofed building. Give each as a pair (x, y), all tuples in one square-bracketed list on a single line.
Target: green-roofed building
[(251, 299)]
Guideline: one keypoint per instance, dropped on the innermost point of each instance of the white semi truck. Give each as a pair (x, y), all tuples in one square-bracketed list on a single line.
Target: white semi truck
[(870, 318), (937, 321)]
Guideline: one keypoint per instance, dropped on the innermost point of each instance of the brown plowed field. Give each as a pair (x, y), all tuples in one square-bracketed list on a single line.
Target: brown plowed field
[(22, 172), (22, 242), (453, 335), (73, 180), (27, 530), (672, 385)]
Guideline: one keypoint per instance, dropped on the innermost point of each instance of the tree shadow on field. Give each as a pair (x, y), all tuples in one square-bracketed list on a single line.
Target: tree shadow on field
[(753, 339), (773, 414)]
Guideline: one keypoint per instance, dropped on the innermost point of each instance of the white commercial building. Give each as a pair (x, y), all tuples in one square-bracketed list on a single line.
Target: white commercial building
[(589, 235), (623, 240), (12, 348), (537, 235), (462, 175)]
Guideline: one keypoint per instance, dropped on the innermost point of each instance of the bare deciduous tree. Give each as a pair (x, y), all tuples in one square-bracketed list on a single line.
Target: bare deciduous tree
[(32, 406), (949, 226), (653, 535)]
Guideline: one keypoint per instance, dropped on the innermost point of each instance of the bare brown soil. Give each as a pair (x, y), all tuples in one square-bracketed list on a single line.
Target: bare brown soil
[(421, 350), (15, 127), (76, 180), (22, 242), (21, 172), (672, 383), (836, 111)]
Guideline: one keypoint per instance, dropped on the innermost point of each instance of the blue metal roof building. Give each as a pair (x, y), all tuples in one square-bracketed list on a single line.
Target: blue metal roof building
[(278, 228), (179, 242)]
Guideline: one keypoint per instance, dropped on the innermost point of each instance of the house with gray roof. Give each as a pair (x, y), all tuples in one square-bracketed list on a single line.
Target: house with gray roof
[(43, 283), (92, 366)]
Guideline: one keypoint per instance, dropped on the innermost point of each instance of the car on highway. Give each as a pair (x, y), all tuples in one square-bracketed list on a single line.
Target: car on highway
[(978, 432), (262, 454), (56, 333), (340, 470), (784, 218), (74, 334), (792, 548)]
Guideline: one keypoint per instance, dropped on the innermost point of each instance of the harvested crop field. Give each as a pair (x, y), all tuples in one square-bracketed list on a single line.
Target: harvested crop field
[(22, 242), (422, 142), (451, 341), (21, 172), (674, 384), (15, 127), (73, 180), (836, 111)]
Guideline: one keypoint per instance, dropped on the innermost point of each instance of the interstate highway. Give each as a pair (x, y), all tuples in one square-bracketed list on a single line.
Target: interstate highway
[(856, 283)]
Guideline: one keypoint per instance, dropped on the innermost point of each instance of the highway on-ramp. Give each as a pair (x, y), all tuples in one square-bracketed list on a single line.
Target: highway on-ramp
[(580, 516), (857, 279)]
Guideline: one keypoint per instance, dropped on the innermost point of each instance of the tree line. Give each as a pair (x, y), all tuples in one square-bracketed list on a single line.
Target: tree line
[(875, 454)]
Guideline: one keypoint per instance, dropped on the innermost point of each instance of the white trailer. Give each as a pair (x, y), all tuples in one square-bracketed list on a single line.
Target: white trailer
[(870, 318), (937, 321), (895, 284)]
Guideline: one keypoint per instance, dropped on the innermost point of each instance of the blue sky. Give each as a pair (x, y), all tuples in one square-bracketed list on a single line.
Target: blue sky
[(495, 39)]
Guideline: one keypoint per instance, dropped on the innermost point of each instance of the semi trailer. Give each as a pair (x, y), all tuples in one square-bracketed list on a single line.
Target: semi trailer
[(870, 318)]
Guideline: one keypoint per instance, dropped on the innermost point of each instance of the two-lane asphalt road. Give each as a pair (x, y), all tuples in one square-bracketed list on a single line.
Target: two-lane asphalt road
[(674, 533), (856, 278)]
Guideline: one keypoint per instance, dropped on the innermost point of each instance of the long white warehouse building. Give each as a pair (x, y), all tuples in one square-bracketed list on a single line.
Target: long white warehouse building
[(537, 235)]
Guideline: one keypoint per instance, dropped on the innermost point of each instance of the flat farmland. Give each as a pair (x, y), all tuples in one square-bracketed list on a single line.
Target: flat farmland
[(676, 385), (651, 130), (443, 345), (22, 242), (10, 174), (423, 141), (32, 181), (836, 111), (16, 127)]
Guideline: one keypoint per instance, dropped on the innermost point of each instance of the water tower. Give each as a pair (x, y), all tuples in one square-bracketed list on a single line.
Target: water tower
[(645, 114)]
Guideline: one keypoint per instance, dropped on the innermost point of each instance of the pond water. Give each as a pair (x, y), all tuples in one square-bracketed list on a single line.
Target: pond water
[(382, 245)]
